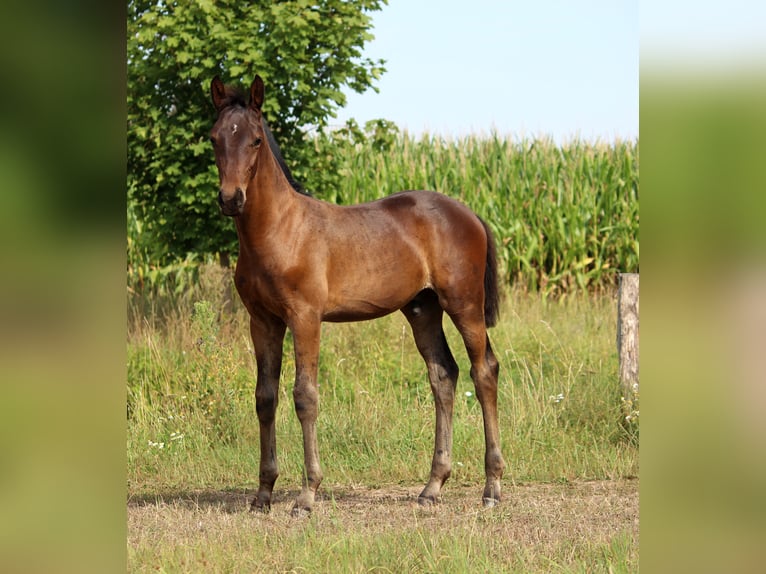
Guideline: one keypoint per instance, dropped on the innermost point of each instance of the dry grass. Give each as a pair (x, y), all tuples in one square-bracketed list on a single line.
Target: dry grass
[(578, 526)]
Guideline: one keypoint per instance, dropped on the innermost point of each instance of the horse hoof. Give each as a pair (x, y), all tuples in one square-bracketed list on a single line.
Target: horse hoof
[(489, 502), (262, 507), (300, 512), (426, 501)]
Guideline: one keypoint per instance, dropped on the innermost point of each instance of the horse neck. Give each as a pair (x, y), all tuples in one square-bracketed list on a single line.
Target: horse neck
[(269, 199)]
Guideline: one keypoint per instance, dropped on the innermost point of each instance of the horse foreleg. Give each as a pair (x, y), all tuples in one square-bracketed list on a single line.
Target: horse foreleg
[(268, 335), (306, 395)]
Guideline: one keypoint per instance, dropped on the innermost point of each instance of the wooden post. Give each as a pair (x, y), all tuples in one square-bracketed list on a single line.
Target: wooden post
[(627, 333)]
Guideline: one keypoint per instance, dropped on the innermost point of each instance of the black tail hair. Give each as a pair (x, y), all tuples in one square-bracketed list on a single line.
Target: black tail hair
[(491, 291)]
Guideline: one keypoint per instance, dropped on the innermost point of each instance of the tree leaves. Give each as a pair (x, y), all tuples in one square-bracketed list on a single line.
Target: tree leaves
[(305, 51)]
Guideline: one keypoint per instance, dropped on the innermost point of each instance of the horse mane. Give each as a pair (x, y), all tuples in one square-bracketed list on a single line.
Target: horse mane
[(236, 97), (296, 185)]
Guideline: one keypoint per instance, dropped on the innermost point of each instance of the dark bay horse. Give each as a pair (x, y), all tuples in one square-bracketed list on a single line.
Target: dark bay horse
[(303, 261)]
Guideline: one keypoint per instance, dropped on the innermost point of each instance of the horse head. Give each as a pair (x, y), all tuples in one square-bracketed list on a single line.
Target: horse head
[(238, 137)]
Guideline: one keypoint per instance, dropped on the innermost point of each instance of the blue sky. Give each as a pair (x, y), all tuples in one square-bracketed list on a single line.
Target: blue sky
[(560, 68)]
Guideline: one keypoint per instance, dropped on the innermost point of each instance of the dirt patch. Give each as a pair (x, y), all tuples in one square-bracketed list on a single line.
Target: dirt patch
[(534, 523)]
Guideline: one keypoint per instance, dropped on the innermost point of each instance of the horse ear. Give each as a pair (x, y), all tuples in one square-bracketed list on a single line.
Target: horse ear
[(218, 93), (256, 93)]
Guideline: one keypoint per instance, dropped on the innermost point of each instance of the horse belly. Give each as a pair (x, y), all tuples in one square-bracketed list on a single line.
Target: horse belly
[(371, 294), (377, 267), (357, 311), (360, 305)]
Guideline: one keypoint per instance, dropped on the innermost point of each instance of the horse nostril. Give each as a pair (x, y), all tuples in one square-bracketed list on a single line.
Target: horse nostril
[(233, 203)]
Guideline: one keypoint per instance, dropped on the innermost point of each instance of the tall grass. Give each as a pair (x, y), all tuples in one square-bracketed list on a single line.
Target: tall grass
[(192, 424)]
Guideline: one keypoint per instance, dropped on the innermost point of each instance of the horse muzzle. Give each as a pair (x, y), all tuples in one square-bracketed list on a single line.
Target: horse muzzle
[(233, 204)]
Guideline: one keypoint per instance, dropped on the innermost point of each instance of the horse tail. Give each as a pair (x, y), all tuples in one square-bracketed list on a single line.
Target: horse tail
[(491, 291)]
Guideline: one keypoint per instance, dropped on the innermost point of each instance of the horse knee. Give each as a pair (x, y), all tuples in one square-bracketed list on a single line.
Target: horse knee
[(266, 404), (306, 400)]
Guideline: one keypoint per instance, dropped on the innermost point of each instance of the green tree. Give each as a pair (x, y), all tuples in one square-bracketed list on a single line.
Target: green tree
[(306, 51)]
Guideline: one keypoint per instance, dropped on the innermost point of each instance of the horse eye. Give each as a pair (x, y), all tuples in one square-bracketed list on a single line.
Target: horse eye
[(257, 142), (212, 140)]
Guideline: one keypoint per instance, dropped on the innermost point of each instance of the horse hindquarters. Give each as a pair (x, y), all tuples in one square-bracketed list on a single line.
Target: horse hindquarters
[(469, 294)]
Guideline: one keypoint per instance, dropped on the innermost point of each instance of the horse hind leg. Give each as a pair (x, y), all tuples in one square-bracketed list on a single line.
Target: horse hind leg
[(425, 317), (484, 372)]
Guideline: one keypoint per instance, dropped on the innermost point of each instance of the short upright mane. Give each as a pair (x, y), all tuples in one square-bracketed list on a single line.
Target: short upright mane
[(296, 185), (236, 97)]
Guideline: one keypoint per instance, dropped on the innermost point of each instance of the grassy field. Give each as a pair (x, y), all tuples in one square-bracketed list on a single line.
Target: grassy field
[(570, 499)]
